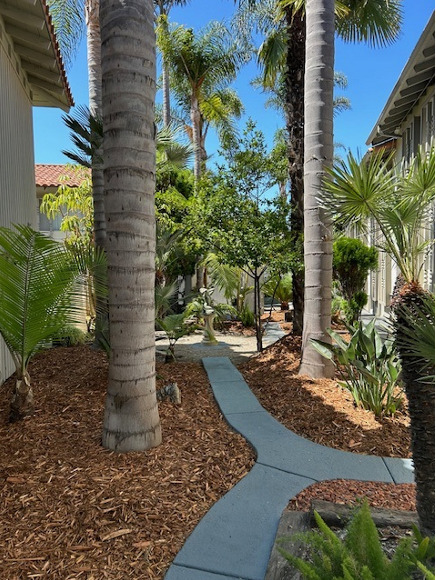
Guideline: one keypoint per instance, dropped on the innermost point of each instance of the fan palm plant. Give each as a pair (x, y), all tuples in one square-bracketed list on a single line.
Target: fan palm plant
[(36, 301), (399, 205)]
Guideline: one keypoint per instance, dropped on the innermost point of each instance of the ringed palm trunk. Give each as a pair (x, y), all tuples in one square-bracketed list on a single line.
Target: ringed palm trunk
[(196, 136), (92, 15), (318, 147), (166, 104), (93, 37), (421, 398), (294, 112), (131, 421)]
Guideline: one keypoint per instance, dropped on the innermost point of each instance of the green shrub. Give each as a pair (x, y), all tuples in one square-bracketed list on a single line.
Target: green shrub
[(70, 335), (279, 287), (352, 261), (175, 327), (368, 365), (246, 316), (360, 556)]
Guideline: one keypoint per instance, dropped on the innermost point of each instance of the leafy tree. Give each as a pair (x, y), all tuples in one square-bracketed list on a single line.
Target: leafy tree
[(372, 192), (36, 301), (244, 234), (352, 261), (75, 205)]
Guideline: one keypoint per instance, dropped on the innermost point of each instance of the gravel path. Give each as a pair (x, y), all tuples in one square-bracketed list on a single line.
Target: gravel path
[(236, 347)]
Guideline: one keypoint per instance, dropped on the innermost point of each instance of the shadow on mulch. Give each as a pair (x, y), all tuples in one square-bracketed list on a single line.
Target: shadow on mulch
[(319, 409)]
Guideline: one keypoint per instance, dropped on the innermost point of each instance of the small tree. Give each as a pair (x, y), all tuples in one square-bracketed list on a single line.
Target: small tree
[(244, 235), (352, 261), (370, 191)]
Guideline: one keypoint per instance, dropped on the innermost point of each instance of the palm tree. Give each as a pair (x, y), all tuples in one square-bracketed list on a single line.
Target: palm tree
[(356, 193), (318, 147), (131, 421), (69, 17), (376, 22), (201, 68), (36, 283), (163, 8)]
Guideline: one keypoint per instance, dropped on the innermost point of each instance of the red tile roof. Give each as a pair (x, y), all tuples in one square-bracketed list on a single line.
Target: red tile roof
[(52, 33), (49, 175)]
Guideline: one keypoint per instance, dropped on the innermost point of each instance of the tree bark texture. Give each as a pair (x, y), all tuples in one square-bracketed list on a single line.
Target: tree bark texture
[(93, 36), (22, 399), (318, 151), (294, 112), (196, 135), (421, 397), (131, 421)]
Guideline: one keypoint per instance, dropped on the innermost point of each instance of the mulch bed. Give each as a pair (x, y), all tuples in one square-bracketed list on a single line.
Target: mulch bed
[(321, 411), (318, 408), (71, 509)]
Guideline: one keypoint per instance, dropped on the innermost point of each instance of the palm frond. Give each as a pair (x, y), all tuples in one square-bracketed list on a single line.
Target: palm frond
[(86, 135), (272, 56), (36, 282), (376, 22), (69, 22), (225, 278), (354, 190)]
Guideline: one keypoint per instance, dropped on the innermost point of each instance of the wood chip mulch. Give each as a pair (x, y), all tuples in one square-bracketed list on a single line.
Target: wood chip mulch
[(320, 410), (70, 509)]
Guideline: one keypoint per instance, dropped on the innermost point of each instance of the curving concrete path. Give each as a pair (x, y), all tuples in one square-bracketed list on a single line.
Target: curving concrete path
[(235, 538)]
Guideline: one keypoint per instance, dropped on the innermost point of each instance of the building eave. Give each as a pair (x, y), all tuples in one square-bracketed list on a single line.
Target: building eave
[(414, 81), (28, 24)]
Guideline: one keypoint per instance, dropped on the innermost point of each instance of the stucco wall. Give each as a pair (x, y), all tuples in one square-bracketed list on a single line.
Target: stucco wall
[(17, 179)]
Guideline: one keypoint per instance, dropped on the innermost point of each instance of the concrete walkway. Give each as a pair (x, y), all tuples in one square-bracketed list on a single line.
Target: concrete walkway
[(235, 538)]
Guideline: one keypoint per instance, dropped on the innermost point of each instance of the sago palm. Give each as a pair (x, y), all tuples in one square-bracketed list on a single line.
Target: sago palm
[(36, 301), (399, 206)]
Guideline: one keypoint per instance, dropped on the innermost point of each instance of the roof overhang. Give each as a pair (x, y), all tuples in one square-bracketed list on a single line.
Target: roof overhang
[(28, 23), (417, 76)]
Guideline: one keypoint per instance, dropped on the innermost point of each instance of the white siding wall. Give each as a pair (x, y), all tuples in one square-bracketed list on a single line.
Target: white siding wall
[(17, 177)]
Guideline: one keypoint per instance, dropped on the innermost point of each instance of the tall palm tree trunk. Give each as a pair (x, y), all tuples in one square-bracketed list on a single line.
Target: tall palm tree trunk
[(131, 421), (420, 392), (93, 37), (294, 112), (166, 103), (196, 135), (318, 148)]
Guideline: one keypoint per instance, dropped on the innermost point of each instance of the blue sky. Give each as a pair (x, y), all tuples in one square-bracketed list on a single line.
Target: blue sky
[(371, 73)]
